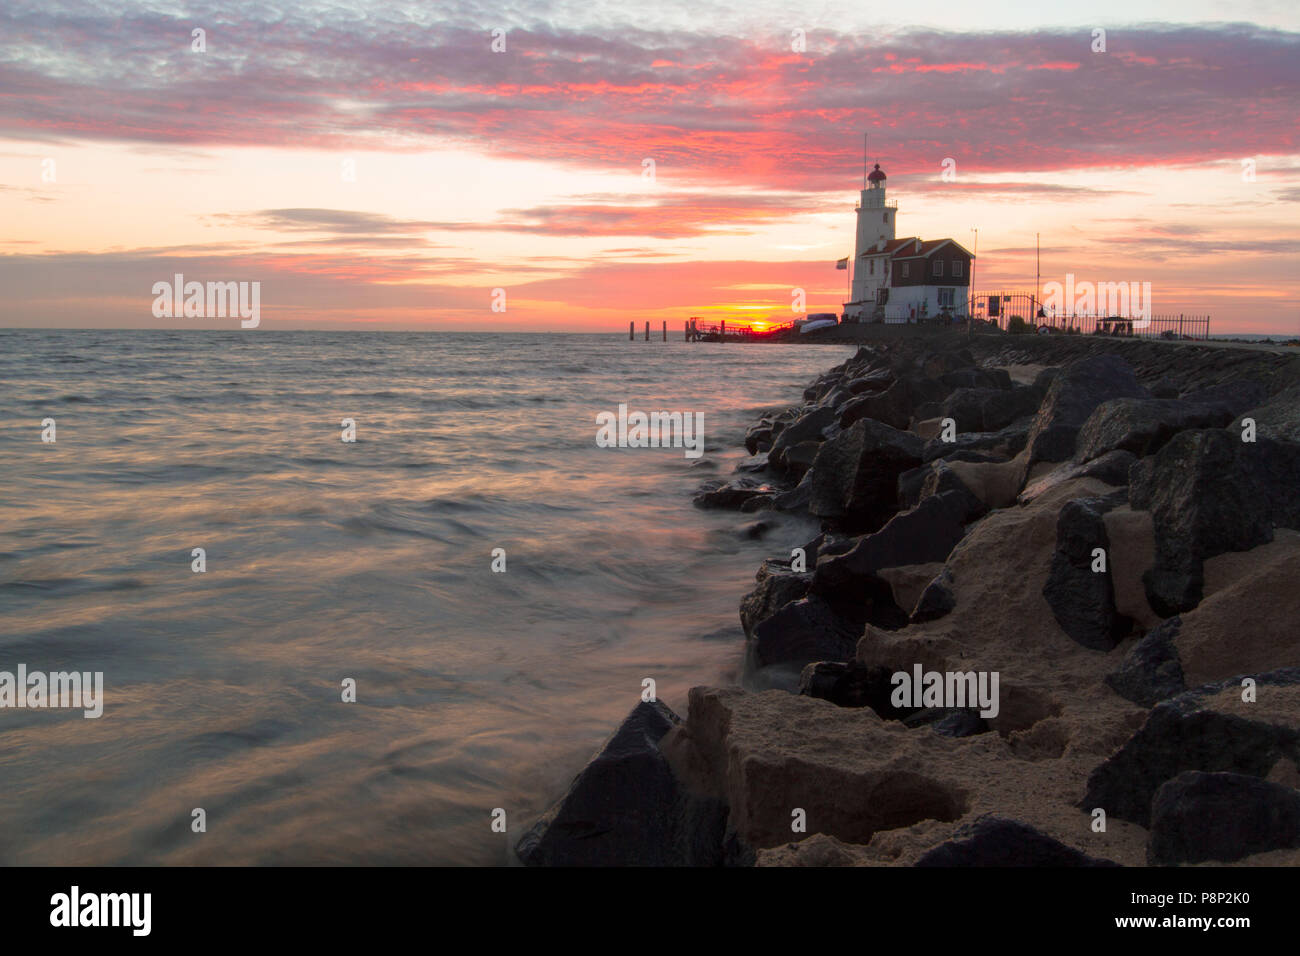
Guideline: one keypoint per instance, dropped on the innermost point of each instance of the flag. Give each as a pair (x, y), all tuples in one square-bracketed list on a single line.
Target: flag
[(842, 263)]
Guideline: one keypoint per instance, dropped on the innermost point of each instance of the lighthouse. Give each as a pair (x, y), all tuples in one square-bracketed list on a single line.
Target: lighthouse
[(876, 228)]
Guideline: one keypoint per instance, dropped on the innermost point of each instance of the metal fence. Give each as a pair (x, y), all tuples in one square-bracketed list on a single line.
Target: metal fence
[(999, 308)]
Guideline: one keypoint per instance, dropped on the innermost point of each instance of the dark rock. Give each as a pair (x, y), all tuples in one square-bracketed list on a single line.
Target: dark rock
[(937, 600), (1237, 396), (1010, 439), (628, 808), (808, 427), (936, 364), (799, 458), (731, 494), (997, 841), (1083, 600), (989, 409), (855, 474), (797, 498), (755, 529), (942, 478), (926, 534), (892, 406), (1142, 425), (1201, 729), (1209, 493), (760, 436), (836, 397), (1221, 816), (876, 381), (1278, 418), (977, 378), (755, 465), (1164, 389), (1075, 392), (1152, 671), (1112, 468), (847, 684), (806, 630), (757, 503), (777, 587)]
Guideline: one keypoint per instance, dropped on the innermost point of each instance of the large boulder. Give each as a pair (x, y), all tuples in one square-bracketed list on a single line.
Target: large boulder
[(1211, 728), (807, 427), (1083, 599), (926, 534), (893, 406), (1209, 493), (975, 377), (1076, 390), (1235, 396), (852, 772), (809, 629), (627, 807), (996, 841), (855, 474), (1152, 671), (1221, 816), (1278, 418), (989, 409), (1142, 425), (1247, 621)]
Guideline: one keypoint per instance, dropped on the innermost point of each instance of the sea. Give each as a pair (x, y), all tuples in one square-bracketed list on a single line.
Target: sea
[(321, 651)]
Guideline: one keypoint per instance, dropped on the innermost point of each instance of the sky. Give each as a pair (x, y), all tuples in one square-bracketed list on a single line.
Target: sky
[(573, 166)]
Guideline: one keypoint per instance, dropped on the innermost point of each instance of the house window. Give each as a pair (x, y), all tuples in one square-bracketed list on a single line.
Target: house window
[(938, 267), (906, 268), (946, 298), (872, 270), (956, 268), (886, 219)]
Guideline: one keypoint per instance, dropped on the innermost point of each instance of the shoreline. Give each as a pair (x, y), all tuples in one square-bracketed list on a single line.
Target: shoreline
[(964, 486)]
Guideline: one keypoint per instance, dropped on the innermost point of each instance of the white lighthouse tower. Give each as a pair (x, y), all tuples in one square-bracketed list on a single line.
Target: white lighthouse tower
[(876, 226)]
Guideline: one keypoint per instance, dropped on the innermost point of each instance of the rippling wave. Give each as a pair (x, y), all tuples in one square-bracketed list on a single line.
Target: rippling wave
[(371, 560)]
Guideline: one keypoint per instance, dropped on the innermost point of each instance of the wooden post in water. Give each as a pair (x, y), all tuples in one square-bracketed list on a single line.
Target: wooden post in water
[(686, 328), (665, 330), (631, 331), (647, 331)]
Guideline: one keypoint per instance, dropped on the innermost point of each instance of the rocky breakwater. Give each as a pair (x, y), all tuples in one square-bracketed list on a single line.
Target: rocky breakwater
[(1048, 619)]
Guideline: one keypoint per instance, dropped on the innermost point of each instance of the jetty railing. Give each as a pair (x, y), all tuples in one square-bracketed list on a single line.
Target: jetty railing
[(697, 331)]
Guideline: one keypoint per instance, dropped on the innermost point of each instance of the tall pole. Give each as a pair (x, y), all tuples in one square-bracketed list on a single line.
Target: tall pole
[(864, 160), (1038, 272), (975, 255)]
